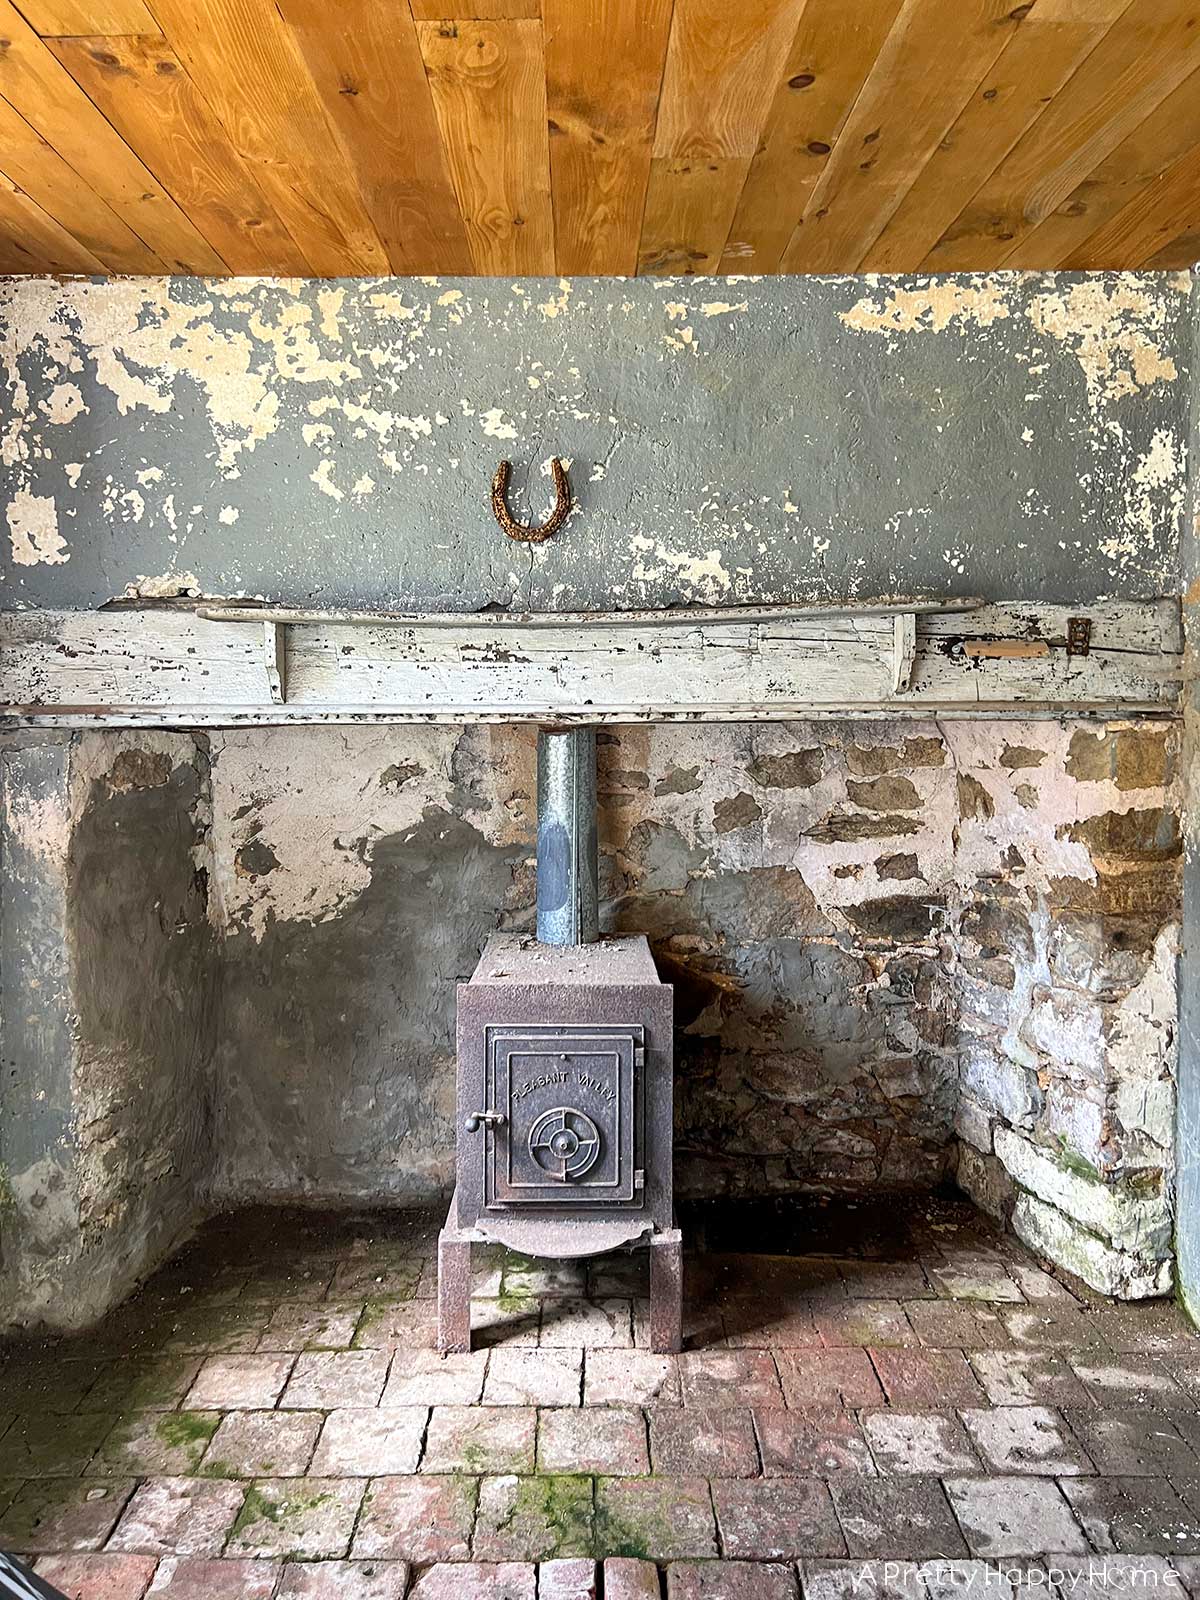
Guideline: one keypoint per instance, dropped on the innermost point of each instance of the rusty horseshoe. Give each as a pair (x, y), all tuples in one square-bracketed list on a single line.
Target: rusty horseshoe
[(531, 533)]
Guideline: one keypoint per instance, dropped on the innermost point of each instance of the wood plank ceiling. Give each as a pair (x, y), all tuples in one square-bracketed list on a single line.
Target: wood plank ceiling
[(344, 137)]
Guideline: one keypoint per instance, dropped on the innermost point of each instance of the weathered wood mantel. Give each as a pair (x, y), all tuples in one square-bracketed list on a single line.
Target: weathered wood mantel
[(204, 665)]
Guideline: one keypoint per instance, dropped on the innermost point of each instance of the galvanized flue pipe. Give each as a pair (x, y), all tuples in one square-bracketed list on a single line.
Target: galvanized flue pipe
[(567, 896)]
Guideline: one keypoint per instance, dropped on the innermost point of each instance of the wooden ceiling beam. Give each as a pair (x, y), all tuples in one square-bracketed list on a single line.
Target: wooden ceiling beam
[(475, 10), (1168, 133), (1157, 227), (1181, 251), (576, 137), (32, 241), (61, 19)]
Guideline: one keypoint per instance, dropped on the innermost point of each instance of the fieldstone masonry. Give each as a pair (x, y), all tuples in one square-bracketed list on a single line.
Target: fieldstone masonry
[(1068, 1000)]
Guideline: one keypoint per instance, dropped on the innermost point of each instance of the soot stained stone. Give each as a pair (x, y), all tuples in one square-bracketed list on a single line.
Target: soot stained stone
[(906, 918), (255, 859)]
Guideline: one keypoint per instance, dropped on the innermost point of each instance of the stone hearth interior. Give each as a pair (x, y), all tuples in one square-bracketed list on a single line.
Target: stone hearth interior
[(903, 955)]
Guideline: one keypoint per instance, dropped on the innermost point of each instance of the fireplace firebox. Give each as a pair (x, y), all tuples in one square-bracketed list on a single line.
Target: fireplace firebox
[(565, 1092)]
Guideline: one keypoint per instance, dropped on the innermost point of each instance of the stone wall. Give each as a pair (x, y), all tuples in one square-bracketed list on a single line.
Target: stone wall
[(899, 951), (1068, 1032), (881, 937), (795, 880)]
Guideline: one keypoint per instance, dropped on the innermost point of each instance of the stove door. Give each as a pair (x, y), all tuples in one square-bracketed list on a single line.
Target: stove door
[(568, 1105)]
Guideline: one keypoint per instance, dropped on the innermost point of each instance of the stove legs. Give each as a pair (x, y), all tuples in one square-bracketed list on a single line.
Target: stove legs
[(454, 1289), (454, 1292), (666, 1292)]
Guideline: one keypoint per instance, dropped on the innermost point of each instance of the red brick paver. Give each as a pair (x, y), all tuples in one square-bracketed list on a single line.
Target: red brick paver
[(343, 1580), (204, 1578), (179, 1516), (98, 1577), (507, 1580)]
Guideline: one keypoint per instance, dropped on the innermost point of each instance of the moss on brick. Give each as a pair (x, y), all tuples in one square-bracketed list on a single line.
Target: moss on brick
[(257, 1508), (186, 1427), (645, 1536), (562, 1503)]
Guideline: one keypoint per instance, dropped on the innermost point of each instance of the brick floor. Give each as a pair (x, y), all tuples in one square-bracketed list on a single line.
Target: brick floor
[(98, 1577), (269, 1419)]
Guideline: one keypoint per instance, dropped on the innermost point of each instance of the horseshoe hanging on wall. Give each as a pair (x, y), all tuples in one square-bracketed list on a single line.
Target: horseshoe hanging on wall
[(528, 532)]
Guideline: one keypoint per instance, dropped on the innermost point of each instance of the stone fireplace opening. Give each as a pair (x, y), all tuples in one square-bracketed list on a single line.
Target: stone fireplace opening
[(925, 1043), (904, 956)]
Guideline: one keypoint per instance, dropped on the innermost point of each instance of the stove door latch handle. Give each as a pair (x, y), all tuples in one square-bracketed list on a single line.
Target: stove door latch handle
[(480, 1119)]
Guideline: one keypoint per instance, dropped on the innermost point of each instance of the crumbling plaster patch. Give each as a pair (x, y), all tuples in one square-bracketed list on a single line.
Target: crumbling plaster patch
[(1114, 324), (33, 530)]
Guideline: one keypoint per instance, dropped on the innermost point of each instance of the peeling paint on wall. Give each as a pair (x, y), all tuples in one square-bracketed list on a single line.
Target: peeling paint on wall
[(33, 530), (786, 439)]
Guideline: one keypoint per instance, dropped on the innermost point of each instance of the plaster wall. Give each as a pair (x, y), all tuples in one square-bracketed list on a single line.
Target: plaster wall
[(107, 1007)]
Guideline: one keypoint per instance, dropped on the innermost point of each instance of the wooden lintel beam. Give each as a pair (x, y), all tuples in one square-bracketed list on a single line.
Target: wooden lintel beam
[(181, 667)]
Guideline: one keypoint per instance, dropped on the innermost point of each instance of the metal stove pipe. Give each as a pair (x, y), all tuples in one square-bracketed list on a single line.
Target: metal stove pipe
[(567, 898)]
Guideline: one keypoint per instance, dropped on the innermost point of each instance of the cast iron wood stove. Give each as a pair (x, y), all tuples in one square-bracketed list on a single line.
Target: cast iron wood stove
[(564, 1076)]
